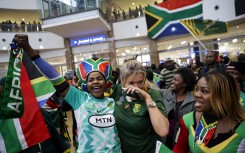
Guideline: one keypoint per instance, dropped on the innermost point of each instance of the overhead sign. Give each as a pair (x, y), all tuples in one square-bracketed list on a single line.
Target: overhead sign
[(87, 40)]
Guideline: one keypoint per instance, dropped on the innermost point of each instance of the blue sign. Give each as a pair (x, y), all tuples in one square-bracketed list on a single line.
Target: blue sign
[(87, 40)]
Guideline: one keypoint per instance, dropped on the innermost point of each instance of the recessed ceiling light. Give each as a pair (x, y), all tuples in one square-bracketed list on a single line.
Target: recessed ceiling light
[(41, 46), (234, 40), (4, 48), (183, 42), (133, 3), (169, 47)]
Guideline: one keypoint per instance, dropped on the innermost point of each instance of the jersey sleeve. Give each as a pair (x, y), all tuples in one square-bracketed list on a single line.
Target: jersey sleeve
[(75, 97)]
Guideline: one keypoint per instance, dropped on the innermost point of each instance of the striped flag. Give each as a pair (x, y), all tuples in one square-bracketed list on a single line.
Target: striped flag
[(20, 133), (17, 134), (161, 148), (42, 87), (164, 18), (156, 79), (205, 27)]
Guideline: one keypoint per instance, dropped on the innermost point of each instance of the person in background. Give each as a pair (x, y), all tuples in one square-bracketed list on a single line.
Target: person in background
[(237, 71), (178, 100), (218, 123), (168, 72), (241, 57), (139, 110), (212, 63), (94, 112)]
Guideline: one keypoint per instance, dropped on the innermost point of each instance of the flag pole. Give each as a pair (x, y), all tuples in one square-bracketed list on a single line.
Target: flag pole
[(194, 36)]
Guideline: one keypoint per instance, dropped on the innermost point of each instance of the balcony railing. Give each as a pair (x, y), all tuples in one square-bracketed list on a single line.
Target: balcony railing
[(20, 28)]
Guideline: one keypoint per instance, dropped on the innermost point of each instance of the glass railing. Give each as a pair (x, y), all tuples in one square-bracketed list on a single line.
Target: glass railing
[(55, 8)]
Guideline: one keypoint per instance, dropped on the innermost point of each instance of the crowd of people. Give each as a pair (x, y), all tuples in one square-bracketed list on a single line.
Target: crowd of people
[(9, 26), (130, 14), (189, 111)]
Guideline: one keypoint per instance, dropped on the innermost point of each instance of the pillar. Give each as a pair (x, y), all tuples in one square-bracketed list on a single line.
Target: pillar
[(154, 55), (112, 48), (69, 56)]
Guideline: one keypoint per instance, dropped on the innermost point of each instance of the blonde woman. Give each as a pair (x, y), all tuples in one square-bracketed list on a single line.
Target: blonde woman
[(139, 110)]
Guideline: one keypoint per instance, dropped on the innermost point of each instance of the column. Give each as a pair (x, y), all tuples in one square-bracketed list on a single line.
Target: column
[(112, 48), (69, 56), (154, 55), (198, 53)]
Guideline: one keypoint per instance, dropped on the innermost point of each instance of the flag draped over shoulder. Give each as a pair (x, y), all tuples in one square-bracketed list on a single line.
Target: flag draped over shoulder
[(17, 134), (205, 27), (163, 19)]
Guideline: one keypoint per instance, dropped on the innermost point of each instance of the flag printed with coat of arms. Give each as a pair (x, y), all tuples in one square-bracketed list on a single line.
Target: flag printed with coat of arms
[(163, 19), (17, 134)]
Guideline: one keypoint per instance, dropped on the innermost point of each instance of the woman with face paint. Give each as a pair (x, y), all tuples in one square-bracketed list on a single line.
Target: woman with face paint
[(218, 123), (97, 131)]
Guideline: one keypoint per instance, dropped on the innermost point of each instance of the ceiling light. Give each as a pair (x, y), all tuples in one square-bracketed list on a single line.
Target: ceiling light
[(226, 44), (41, 46), (137, 34), (133, 3), (169, 47), (218, 39), (244, 41), (183, 42), (4, 48), (234, 40)]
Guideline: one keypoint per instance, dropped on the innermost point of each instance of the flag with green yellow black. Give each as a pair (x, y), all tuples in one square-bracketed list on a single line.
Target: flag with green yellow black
[(204, 27)]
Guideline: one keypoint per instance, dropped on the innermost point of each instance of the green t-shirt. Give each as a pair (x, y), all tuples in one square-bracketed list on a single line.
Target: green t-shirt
[(133, 122)]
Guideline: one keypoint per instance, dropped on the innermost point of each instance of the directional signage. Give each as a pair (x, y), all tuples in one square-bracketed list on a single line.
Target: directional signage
[(87, 40)]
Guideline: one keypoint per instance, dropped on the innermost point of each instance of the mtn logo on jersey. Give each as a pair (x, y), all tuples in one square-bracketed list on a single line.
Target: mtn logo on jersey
[(102, 121)]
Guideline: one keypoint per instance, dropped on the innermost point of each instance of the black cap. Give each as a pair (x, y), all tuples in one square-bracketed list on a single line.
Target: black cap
[(239, 66)]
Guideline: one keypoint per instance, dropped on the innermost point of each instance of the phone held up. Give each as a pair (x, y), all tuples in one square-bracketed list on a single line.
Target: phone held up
[(135, 94)]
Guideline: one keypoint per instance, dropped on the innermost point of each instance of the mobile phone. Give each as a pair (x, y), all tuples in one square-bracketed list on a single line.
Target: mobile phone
[(135, 94)]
